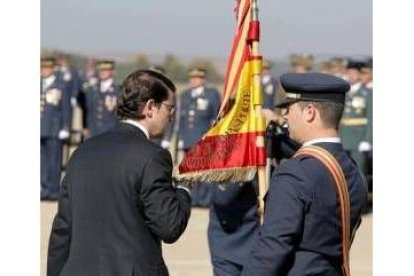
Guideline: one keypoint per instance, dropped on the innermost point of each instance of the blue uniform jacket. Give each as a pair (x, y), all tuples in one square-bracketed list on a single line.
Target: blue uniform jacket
[(55, 110), (71, 80), (101, 108), (233, 221), (196, 115), (301, 234)]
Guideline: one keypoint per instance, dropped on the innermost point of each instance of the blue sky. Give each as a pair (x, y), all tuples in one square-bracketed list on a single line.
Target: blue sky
[(205, 28)]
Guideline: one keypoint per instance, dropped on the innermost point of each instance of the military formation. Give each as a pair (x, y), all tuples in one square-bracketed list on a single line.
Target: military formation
[(233, 211)]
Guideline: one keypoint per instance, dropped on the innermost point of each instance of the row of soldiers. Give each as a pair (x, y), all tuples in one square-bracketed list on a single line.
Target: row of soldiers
[(95, 91)]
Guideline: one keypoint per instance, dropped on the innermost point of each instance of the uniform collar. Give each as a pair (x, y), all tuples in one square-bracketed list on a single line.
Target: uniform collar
[(196, 92), (336, 140), (138, 125)]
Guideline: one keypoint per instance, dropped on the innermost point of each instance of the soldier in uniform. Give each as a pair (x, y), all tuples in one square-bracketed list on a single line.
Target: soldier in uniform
[(355, 131), (269, 85), (232, 227), (197, 109), (55, 119), (101, 100), (301, 233), (69, 76)]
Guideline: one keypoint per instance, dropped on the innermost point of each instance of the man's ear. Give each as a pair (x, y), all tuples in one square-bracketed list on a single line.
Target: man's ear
[(310, 113), (149, 108)]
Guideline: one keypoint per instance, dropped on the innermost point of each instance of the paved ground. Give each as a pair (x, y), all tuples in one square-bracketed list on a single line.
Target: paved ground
[(190, 255)]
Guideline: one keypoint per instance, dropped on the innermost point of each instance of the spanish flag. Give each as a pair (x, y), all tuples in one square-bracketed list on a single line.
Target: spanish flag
[(233, 147)]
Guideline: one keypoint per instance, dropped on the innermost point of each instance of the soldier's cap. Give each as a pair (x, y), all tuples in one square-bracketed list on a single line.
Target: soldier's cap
[(353, 64), (367, 67), (197, 73), (302, 60), (337, 61), (105, 65), (47, 62), (315, 87)]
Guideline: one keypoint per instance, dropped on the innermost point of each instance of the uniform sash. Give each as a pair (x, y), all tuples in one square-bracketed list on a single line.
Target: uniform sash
[(342, 193)]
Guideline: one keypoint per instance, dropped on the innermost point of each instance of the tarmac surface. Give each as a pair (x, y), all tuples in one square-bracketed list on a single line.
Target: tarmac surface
[(189, 256)]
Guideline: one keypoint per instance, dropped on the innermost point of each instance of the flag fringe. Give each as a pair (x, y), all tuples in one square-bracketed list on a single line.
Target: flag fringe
[(221, 176)]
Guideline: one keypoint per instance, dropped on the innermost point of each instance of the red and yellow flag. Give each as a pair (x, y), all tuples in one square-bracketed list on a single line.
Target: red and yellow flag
[(233, 148)]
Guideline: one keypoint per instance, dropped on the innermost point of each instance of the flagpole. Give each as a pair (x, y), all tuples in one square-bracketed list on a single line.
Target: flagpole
[(261, 170)]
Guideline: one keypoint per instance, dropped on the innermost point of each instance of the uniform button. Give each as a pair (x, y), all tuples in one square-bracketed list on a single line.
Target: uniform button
[(190, 126), (224, 222), (191, 112)]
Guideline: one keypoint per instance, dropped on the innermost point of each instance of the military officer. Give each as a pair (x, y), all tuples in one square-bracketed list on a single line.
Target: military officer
[(69, 74), (269, 85), (354, 128), (302, 229), (55, 119), (197, 109), (101, 99)]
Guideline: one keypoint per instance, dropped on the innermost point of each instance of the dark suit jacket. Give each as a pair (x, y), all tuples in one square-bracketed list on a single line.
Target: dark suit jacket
[(117, 204)]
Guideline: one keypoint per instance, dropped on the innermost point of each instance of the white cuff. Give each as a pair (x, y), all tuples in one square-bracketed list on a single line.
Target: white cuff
[(364, 146)]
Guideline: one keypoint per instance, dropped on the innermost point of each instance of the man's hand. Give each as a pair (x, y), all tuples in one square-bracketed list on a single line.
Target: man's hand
[(270, 115)]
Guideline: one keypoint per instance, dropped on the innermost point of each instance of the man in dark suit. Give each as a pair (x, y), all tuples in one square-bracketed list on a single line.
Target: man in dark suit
[(301, 233), (118, 201)]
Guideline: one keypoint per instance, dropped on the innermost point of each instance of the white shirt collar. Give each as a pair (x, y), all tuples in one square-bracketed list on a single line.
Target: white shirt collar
[(323, 140), (138, 125), (106, 84), (196, 92)]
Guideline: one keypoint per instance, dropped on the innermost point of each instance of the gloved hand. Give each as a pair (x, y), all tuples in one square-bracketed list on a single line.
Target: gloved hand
[(63, 134), (165, 144), (180, 144), (364, 146)]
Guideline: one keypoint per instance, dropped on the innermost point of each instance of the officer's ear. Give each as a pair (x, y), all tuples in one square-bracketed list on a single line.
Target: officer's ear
[(309, 112)]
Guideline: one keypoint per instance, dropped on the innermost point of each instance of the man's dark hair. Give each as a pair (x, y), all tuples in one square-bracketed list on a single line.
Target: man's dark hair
[(139, 87), (331, 112)]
